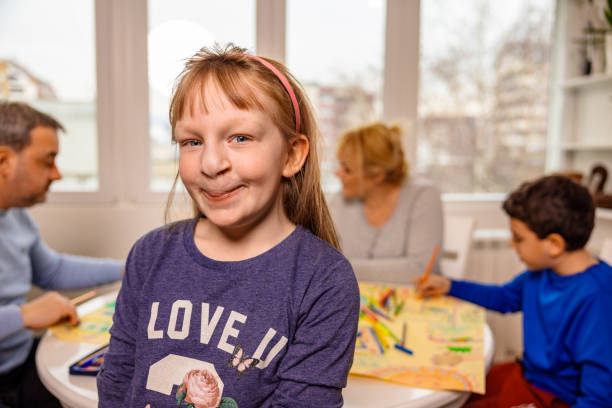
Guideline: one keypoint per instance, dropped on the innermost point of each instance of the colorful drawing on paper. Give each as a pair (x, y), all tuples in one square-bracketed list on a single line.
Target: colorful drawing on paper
[(435, 343), (93, 329)]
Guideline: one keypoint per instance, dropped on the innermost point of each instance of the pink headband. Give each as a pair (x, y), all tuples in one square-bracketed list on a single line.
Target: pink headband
[(286, 84)]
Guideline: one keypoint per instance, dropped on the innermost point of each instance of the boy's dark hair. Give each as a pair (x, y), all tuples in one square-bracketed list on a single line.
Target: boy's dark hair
[(17, 121), (554, 204)]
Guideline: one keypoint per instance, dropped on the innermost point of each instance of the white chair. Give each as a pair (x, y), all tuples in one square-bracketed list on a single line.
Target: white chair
[(606, 250), (456, 245)]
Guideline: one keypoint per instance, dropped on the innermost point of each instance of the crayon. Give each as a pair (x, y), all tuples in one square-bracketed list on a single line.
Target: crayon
[(403, 335)]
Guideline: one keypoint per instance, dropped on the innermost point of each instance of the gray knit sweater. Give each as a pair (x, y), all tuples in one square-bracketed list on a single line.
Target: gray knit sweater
[(398, 250)]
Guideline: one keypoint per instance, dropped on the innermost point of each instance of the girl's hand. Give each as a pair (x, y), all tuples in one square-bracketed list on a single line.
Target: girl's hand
[(435, 285)]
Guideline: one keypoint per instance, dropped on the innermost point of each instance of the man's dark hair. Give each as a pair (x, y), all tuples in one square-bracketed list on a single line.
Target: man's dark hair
[(17, 121), (554, 204)]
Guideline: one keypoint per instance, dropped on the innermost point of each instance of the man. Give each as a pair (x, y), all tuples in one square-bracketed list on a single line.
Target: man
[(28, 148)]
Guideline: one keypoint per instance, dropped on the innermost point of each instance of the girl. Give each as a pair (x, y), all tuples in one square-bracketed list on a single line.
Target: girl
[(248, 304)]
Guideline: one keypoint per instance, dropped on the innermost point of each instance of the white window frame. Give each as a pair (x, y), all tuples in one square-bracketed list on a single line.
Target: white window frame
[(122, 94)]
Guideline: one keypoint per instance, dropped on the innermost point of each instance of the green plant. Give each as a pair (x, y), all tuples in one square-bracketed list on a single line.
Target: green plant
[(608, 12)]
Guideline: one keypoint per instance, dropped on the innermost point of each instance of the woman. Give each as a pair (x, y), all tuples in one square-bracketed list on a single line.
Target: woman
[(388, 224)]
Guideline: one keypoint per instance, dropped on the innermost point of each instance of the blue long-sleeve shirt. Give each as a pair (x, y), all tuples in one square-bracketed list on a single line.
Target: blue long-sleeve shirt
[(567, 329), (25, 259)]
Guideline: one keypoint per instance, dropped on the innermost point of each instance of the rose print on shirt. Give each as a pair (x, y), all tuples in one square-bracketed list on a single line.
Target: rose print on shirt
[(242, 364), (201, 390)]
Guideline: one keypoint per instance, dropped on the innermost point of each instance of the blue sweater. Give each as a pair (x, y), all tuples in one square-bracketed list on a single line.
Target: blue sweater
[(25, 259), (275, 330), (567, 329)]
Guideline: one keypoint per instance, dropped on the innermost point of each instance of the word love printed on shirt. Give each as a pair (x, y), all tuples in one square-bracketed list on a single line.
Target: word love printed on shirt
[(180, 330)]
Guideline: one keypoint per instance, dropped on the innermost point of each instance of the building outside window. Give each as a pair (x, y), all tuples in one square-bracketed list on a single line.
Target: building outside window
[(482, 99), (340, 62), (49, 63), (483, 96), (175, 34)]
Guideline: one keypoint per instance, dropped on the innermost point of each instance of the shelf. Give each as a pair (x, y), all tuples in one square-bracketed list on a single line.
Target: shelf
[(585, 147), (588, 81), (603, 214)]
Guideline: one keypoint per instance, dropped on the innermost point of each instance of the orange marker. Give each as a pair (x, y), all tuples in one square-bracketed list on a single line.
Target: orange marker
[(432, 260)]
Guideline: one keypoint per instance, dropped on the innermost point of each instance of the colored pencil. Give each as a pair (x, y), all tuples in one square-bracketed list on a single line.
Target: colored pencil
[(432, 260), (94, 359), (377, 340), (398, 308), (387, 330), (384, 299), (84, 297), (380, 312), (369, 313), (370, 320), (404, 334), (380, 335), (402, 348)]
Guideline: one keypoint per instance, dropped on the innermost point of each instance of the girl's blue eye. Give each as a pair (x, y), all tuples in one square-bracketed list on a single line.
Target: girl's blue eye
[(193, 143), (240, 138)]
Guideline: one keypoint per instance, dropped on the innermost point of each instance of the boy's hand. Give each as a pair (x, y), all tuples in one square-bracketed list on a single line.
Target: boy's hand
[(435, 285), (47, 310)]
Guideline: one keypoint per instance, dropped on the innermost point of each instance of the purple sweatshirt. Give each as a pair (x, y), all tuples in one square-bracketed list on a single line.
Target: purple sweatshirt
[(276, 330)]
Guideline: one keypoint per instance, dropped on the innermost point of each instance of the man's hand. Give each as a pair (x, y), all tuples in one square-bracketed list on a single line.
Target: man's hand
[(435, 285), (47, 310)]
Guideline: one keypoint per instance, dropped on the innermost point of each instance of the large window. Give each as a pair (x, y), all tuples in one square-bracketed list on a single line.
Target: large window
[(482, 92), (483, 95), (47, 59), (175, 34), (336, 50)]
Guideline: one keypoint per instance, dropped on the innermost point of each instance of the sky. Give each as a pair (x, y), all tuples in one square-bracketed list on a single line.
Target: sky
[(54, 40)]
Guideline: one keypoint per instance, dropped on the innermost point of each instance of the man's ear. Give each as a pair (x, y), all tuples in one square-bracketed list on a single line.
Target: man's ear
[(7, 156), (299, 147), (555, 244)]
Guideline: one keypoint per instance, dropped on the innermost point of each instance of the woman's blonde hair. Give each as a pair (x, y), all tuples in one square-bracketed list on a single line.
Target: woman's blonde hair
[(246, 82), (377, 147)]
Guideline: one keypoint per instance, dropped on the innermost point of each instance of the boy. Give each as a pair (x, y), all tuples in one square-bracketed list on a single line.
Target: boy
[(566, 298)]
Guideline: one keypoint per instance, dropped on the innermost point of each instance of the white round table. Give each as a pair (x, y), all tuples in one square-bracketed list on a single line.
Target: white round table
[(54, 357)]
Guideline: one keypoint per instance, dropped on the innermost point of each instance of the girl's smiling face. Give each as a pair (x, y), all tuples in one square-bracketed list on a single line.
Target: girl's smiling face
[(231, 161)]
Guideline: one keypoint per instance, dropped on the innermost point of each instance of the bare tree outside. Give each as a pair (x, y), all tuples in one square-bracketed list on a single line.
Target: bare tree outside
[(483, 95)]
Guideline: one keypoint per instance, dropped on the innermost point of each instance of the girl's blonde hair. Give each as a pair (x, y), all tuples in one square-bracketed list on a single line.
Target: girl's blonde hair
[(246, 82), (377, 147)]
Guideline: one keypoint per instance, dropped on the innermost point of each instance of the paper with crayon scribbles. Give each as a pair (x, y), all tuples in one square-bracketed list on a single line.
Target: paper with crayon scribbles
[(94, 327), (444, 334)]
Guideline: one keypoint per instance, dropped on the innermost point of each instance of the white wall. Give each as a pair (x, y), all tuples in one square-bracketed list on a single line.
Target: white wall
[(109, 230)]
